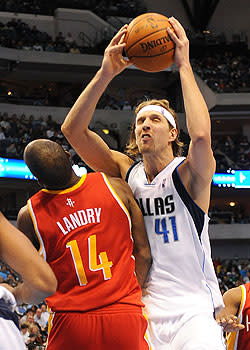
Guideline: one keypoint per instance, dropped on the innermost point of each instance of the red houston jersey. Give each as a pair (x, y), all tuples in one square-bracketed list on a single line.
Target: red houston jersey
[(85, 236), (241, 340)]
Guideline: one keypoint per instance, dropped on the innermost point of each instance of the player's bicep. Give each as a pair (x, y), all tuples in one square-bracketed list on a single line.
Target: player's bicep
[(95, 152), (232, 299), (201, 160)]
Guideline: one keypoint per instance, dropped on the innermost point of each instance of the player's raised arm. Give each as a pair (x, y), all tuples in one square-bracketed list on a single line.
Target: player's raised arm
[(87, 144), (17, 251), (200, 165)]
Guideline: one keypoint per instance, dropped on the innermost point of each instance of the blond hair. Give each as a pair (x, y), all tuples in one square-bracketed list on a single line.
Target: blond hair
[(132, 148)]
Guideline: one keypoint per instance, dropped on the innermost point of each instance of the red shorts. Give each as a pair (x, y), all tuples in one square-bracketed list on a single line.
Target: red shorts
[(99, 330)]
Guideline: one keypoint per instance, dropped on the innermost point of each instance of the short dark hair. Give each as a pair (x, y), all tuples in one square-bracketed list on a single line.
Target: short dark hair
[(48, 162)]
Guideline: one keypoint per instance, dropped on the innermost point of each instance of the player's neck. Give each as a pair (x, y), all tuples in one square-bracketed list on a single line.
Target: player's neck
[(73, 181), (154, 164)]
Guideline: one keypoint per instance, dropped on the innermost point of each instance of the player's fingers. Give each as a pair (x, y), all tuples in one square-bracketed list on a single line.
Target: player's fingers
[(122, 39), (176, 24), (173, 35), (241, 326), (114, 50), (179, 31), (115, 40)]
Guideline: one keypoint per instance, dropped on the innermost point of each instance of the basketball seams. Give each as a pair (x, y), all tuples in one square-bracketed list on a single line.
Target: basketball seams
[(140, 20), (144, 37), (159, 54)]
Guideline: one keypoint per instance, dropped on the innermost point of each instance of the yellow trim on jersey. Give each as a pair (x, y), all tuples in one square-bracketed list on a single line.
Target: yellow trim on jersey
[(146, 334), (243, 299), (41, 250), (120, 202), (67, 190), (232, 337), (50, 320)]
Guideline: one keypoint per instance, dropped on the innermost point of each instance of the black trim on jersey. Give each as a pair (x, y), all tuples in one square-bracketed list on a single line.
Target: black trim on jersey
[(196, 212), (130, 169), (7, 314)]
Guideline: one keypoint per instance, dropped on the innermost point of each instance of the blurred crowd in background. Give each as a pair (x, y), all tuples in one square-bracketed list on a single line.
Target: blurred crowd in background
[(224, 66)]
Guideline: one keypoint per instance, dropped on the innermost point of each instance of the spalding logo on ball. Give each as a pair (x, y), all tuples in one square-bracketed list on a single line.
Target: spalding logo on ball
[(148, 44)]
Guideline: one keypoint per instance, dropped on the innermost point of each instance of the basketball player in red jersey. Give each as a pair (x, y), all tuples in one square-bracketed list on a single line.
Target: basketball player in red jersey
[(236, 317), (82, 227)]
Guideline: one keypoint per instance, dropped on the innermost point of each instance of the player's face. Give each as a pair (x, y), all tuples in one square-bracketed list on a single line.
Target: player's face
[(152, 133)]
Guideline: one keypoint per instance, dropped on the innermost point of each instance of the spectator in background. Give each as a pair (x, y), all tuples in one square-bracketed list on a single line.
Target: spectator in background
[(69, 40), (45, 313), (2, 134), (26, 315), (245, 274), (24, 330), (50, 47), (37, 47), (74, 48), (40, 320)]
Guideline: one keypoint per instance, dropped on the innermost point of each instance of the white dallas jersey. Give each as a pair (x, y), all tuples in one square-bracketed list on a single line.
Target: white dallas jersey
[(182, 277)]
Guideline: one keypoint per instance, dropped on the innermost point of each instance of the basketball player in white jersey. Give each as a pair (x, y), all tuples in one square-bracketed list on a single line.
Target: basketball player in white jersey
[(182, 294), (38, 282)]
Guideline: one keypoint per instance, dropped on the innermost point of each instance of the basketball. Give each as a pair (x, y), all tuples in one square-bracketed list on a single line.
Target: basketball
[(148, 44)]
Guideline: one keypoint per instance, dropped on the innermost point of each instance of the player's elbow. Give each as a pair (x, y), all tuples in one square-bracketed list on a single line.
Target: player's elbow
[(50, 286), (201, 138), (74, 133), (46, 285), (66, 129)]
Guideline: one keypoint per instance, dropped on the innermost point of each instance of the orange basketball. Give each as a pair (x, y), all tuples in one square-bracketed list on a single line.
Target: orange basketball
[(148, 44)]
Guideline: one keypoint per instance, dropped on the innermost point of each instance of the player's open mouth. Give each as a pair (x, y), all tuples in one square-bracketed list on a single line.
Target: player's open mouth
[(145, 136)]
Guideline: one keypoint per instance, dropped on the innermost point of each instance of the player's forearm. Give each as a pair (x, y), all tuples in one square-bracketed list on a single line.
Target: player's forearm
[(79, 117), (197, 115), (143, 262), (36, 291)]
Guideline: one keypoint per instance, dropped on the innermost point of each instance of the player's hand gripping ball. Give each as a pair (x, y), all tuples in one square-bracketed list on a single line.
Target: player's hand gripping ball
[(148, 44)]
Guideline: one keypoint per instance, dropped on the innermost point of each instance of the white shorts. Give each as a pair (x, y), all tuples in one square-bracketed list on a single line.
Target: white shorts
[(11, 338), (197, 332)]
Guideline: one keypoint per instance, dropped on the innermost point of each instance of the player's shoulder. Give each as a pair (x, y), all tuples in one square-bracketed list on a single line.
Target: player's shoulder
[(23, 214), (123, 161), (118, 182), (23, 210), (121, 188)]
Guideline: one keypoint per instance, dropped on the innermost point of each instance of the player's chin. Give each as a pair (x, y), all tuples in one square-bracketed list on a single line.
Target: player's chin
[(145, 149)]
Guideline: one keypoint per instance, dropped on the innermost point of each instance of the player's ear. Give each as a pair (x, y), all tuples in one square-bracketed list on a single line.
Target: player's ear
[(173, 133), (68, 154)]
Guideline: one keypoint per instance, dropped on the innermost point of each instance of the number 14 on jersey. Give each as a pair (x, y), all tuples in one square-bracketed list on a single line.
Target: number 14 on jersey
[(104, 265)]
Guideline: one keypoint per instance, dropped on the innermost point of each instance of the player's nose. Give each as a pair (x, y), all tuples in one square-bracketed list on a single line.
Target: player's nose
[(146, 124)]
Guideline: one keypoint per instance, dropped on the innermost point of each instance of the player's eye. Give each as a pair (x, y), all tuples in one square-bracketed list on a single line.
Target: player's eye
[(156, 119), (140, 121)]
